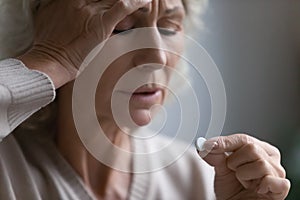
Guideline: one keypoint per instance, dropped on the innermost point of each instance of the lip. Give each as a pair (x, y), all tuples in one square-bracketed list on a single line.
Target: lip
[(142, 90), (145, 90), (146, 96)]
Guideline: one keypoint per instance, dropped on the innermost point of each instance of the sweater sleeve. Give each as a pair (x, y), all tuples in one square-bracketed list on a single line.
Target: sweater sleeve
[(22, 93)]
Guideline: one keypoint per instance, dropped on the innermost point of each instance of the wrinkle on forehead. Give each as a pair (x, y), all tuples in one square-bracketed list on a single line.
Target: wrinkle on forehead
[(162, 6), (148, 13)]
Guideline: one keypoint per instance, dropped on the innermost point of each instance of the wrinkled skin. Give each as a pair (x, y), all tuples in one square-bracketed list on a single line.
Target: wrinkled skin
[(252, 170)]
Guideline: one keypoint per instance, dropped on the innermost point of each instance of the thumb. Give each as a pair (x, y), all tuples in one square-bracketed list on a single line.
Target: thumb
[(216, 150), (216, 160), (229, 143)]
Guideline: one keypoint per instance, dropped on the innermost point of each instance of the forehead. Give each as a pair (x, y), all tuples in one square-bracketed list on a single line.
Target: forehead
[(166, 6), (162, 8)]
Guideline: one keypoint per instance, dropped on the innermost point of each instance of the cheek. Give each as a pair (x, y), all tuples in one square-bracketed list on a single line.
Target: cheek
[(173, 59), (106, 85), (176, 59), (176, 46), (180, 44), (115, 71)]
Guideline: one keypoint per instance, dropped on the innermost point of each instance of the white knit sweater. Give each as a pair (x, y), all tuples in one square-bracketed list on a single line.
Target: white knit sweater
[(22, 93), (31, 168)]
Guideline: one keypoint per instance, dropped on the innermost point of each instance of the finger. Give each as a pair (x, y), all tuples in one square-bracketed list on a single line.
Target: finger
[(101, 5), (236, 141), (229, 143), (218, 161), (93, 1), (250, 174), (213, 159), (271, 150), (121, 9), (250, 153), (276, 187), (254, 170), (74, 3), (246, 154)]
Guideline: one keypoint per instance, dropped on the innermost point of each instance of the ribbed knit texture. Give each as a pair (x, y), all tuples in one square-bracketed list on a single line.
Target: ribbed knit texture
[(140, 181), (28, 90), (46, 175)]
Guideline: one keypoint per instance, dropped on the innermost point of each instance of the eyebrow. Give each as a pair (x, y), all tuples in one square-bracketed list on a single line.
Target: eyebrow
[(172, 10)]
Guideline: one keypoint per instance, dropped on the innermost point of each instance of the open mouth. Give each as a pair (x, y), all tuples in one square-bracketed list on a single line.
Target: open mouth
[(146, 95), (144, 90)]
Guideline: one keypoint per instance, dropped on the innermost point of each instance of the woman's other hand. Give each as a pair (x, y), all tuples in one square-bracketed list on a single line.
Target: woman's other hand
[(252, 169), (67, 30)]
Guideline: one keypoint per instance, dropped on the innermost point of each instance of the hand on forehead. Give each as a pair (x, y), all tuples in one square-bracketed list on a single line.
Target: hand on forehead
[(154, 11)]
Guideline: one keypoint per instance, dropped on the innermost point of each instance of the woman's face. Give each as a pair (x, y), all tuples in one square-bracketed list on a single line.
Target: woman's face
[(166, 16)]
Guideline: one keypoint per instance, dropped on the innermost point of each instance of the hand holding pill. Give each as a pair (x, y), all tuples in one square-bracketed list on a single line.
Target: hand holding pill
[(251, 169)]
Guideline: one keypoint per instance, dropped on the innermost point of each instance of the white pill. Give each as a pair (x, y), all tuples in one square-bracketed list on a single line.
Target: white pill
[(200, 143)]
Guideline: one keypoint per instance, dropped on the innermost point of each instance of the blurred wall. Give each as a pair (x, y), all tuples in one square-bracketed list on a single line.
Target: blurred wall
[(256, 45)]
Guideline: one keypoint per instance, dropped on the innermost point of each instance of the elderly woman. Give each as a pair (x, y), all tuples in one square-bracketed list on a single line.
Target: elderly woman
[(53, 163)]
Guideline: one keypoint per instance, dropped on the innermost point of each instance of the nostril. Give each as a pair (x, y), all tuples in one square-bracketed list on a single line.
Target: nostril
[(150, 67)]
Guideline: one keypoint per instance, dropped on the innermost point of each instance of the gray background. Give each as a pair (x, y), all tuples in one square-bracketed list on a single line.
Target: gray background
[(256, 45)]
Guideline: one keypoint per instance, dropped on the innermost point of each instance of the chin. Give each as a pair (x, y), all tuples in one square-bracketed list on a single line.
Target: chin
[(141, 117)]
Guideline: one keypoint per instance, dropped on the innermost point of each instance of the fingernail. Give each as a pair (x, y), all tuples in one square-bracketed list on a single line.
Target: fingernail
[(210, 145)]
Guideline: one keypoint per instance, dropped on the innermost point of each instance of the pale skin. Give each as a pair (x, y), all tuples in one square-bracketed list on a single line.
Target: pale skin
[(251, 171)]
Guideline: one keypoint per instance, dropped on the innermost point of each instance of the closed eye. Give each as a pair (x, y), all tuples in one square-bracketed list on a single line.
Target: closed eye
[(163, 31), (167, 32), (116, 31)]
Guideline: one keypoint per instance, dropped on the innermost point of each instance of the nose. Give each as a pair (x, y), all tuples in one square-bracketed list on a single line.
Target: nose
[(153, 58), (150, 59)]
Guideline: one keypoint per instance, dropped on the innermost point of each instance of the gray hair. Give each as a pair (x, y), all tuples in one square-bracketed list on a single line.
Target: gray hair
[(16, 36), (194, 10), (16, 30)]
